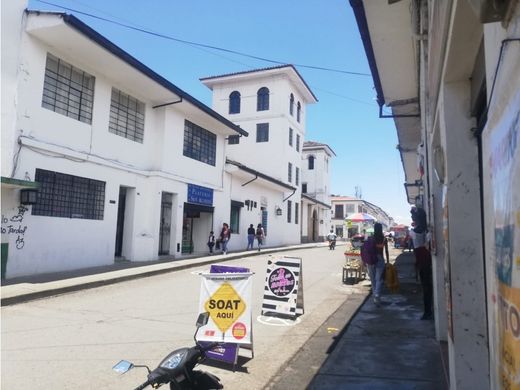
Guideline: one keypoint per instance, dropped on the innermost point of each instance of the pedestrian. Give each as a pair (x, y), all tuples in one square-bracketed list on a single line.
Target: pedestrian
[(225, 235), (250, 237), (260, 235), (377, 270), (211, 242), (423, 260)]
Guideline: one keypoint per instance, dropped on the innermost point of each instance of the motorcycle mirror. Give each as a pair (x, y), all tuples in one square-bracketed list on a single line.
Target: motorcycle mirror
[(123, 366), (202, 319)]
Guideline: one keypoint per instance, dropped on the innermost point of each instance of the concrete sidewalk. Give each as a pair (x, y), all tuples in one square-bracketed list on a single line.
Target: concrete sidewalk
[(387, 347), (23, 289)]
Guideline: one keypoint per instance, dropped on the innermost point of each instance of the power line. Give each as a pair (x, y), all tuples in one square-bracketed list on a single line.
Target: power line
[(191, 43)]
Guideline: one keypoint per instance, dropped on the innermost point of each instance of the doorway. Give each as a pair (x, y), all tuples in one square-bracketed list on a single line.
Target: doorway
[(121, 207), (165, 223)]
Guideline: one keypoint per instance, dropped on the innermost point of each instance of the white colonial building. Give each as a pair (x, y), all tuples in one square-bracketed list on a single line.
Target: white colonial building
[(103, 159), (316, 191), (270, 104)]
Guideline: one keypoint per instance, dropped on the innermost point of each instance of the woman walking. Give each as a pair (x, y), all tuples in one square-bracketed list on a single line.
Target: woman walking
[(225, 234), (260, 235), (376, 270)]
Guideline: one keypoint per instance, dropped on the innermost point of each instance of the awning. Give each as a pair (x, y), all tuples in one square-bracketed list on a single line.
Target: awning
[(192, 207), (10, 183)]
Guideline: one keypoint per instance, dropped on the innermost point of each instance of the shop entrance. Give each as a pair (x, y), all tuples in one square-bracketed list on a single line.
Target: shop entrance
[(196, 225)]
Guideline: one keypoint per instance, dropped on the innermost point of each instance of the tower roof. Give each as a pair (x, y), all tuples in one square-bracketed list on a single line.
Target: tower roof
[(287, 69)]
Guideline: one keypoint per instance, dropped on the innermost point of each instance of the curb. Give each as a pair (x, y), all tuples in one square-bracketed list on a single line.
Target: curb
[(112, 279)]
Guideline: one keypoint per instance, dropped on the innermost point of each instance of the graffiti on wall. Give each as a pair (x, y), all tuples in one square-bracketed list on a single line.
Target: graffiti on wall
[(14, 226)]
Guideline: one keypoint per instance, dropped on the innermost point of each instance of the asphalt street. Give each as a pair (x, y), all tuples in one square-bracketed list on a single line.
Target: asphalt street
[(71, 341)]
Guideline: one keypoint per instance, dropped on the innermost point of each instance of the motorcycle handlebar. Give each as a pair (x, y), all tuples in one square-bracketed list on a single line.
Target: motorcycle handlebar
[(142, 386)]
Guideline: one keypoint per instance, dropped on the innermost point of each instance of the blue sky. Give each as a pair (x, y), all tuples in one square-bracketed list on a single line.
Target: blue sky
[(307, 32)]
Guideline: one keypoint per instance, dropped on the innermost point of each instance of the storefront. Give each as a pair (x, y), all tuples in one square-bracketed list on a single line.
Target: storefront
[(197, 219)]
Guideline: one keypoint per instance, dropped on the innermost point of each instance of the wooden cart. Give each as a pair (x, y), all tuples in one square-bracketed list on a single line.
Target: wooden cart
[(354, 269)]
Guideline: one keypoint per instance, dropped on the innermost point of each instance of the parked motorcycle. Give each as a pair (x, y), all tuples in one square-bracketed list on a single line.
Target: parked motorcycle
[(177, 368)]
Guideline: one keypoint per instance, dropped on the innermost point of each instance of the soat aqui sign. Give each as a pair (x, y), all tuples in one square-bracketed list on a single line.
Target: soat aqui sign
[(227, 299)]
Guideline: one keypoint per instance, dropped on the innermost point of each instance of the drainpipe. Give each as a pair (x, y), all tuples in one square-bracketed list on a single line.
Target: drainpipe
[(247, 182), (168, 104), (289, 196)]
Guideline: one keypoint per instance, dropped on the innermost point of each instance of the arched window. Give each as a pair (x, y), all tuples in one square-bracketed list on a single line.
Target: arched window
[(298, 112), (311, 163), (291, 105), (234, 102), (262, 102)]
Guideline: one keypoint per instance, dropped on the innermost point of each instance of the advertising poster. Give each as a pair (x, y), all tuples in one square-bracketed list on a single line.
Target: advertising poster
[(227, 299), (503, 159), (283, 293)]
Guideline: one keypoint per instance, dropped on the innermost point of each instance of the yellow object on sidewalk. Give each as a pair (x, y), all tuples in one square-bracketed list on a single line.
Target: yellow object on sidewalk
[(391, 278)]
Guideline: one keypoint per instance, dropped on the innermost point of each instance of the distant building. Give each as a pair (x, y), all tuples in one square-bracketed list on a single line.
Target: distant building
[(345, 206), (316, 213)]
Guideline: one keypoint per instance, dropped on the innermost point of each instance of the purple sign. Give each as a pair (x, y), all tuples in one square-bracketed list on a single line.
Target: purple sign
[(281, 282), (222, 269), (226, 352)]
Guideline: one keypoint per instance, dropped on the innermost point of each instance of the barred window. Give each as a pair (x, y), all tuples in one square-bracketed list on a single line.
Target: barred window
[(289, 211), (296, 213), (126, 116), (290, 136), (289, 173), (68, 90), (297, 176), (297, 142), (291, 105), (298, 111), (68, 196), (199, 144)]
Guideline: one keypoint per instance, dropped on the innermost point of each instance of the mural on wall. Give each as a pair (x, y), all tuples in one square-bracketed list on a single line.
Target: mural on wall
[(504, 169), (13, 226)]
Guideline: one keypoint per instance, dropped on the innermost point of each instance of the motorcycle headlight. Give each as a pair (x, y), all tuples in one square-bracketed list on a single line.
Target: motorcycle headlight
[(174, 360)]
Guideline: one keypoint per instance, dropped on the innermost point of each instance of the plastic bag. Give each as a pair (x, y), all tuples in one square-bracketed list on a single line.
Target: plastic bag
[(391, 278)]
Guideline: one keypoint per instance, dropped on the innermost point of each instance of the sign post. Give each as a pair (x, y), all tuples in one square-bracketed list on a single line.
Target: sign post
[(283, 296)]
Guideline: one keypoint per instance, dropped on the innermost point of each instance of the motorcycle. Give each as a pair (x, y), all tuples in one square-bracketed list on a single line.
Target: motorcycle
[(332, 244), (177, 368)]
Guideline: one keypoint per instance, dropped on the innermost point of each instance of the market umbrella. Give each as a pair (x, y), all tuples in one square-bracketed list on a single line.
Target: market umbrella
[(360, 217)]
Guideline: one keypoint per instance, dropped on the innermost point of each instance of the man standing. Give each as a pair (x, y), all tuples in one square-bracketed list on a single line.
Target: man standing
[(423, 260)]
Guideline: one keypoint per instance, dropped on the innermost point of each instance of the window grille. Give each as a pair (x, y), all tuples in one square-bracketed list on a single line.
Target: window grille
[(296, 213), (289, 173), (311, 163), (298, 112), (68, 196), (297, 176), (289, 211), (68, 90), (304, 188), (291, 105), (199, 144), (290, 136), (126, 116), (297, 142)]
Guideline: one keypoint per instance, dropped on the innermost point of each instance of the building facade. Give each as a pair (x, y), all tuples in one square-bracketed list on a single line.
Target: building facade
[(316, 165), (344, 206), (271, 105), (456, 104)]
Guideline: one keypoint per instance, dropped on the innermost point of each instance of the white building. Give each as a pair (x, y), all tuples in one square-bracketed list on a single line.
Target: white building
[(344, 206), (316, 191), (127, 164), (270, 104), (449, 74)]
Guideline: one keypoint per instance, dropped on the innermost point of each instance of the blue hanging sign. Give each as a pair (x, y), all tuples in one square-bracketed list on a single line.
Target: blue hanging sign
[(200, 195)]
